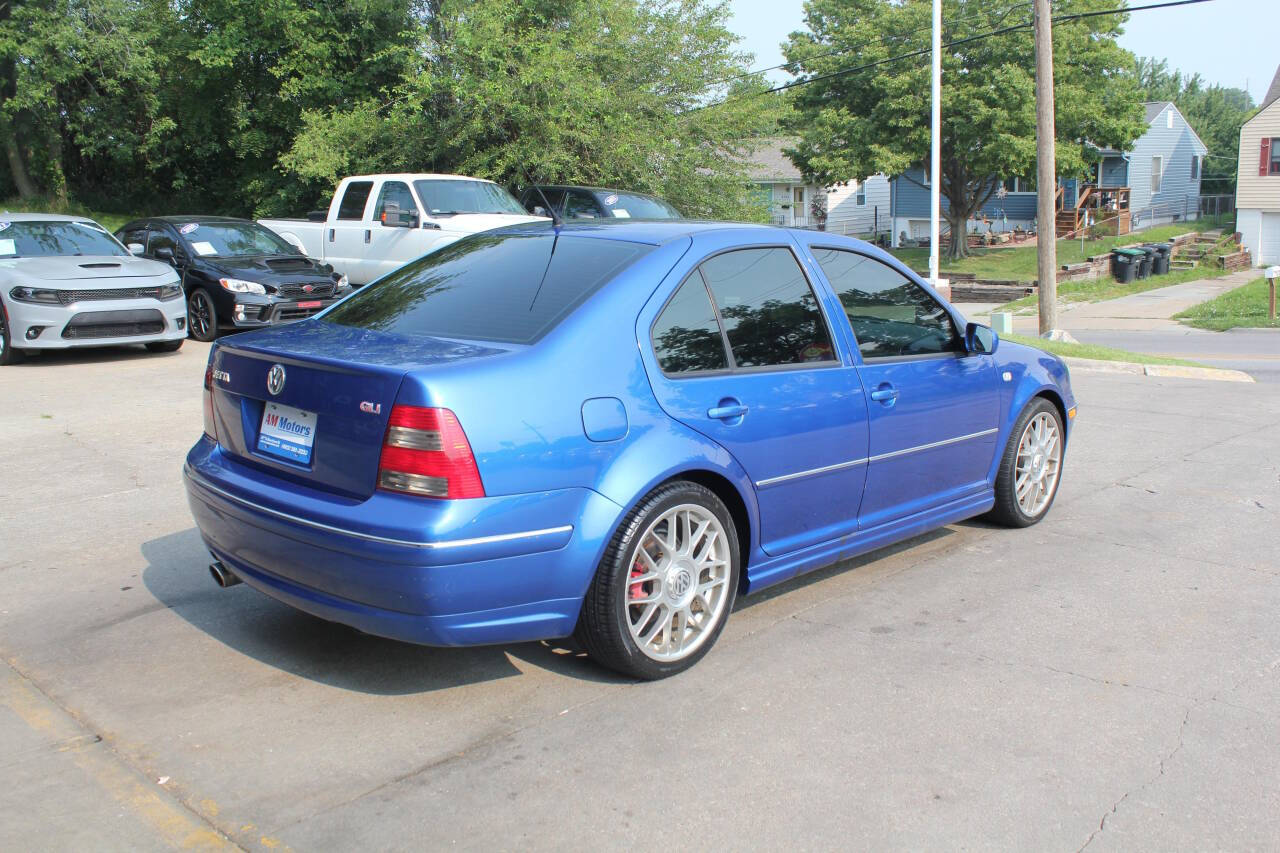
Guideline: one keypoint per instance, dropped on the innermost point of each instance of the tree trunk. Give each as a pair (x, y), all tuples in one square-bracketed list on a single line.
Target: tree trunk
[(18, 167), (958, 244)]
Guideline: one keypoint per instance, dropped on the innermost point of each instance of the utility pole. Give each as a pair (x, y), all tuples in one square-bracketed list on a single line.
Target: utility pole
[(935, 169), (1046, 167)]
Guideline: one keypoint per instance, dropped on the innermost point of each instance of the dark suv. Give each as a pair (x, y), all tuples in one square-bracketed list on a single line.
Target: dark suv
[(235, 273), (595, 203)]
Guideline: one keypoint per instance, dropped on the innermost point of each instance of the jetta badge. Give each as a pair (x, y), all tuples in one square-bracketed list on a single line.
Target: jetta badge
[(275, 379)]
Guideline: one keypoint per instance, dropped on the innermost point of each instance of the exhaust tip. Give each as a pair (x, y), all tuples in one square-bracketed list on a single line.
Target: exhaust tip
[(223, 576)]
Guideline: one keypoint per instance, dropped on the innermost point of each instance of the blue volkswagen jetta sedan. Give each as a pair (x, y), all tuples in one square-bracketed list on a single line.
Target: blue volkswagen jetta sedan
[(610, 430)]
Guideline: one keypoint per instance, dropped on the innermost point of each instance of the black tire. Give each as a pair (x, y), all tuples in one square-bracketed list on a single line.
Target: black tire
[(166, 346), (1007, 510), (603, 623), (8, 355), (202, 316)]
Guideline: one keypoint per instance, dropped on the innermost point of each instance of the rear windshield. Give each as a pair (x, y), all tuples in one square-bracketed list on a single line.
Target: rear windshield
[(512, 288)]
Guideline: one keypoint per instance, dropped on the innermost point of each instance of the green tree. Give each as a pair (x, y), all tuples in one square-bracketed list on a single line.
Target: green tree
[(1215, 112), (78, 91), (855, 125), (567, 91)]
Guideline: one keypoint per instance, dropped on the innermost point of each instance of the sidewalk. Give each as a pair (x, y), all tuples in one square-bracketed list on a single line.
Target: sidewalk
[(1151, 310)]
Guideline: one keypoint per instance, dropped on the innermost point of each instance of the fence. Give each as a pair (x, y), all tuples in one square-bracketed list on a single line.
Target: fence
[(1219, 209)]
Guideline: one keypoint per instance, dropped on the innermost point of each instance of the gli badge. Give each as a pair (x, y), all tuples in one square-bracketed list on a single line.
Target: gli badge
[(275, 379), (371, 408)]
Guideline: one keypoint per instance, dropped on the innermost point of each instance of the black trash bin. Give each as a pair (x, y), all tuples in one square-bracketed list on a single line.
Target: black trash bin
[(1144, 256), (1124, 265), (1160, 263)]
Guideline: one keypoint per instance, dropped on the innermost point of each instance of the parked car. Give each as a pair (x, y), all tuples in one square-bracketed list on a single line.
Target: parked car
[(66, 282), (611, 429), (595, 203), (235, 273), (376, 223)]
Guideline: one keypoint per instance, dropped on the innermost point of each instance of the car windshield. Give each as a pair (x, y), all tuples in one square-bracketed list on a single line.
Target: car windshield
[(512, 288), (233, 239), (445, 198), (631, 206), (51, 238)]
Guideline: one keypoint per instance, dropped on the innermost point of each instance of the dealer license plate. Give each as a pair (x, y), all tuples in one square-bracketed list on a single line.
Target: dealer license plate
[(287, 433)]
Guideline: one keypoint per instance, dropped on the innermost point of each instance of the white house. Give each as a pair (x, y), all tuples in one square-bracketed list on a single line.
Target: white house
[(1258, 181), (855, 208)]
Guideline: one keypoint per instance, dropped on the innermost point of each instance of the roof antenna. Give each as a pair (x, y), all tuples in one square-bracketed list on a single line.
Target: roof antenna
[(551, 211)]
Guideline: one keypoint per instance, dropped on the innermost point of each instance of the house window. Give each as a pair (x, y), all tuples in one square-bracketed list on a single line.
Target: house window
[(1019, 185), (1157, 172), (860, 198), (1274, 168), (1168, 118), (1195, 168)]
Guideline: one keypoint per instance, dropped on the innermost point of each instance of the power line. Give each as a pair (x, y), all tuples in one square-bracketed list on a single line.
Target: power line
[(954, 43)]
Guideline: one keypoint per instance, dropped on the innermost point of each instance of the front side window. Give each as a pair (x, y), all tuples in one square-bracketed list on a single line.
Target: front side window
[(397, 193), (354, 199), (891, 315), (579, 205), (512, 288), (50, 238), (770, 314), (686, 336), (160, 238)]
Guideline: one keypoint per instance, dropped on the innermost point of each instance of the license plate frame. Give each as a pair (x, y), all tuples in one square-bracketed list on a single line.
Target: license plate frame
[(287, 433)]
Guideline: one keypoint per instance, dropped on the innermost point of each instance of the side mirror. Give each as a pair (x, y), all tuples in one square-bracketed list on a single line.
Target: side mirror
[(136, 248), (394, 217), (164, 253), (980, 339)]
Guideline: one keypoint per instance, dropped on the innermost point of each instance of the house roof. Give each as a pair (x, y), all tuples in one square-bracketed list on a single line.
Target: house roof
[(766, 162), (1273, 94), (1154, 108)]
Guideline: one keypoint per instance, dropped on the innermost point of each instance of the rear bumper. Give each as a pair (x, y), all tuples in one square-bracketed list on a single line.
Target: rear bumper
[(98, 323), (491, 570)]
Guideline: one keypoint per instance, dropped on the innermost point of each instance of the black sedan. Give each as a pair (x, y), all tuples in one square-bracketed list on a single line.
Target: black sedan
[(236, 274), (595, 203)]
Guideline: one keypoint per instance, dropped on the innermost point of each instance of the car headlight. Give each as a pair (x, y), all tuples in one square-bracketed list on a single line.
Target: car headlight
[(32, 294), (169, 291), (238, 285)]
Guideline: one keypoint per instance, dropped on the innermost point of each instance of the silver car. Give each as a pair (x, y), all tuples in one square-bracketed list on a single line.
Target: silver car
[(66, 282)]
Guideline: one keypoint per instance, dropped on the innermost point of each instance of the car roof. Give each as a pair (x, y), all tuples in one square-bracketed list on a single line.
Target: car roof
[(185, 218), (6, 216), (651, 231), (594, 189), (416, 176)]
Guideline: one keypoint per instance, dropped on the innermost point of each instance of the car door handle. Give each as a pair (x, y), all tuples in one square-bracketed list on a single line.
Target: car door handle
[(884, 394), (725, 413), (367, 233)]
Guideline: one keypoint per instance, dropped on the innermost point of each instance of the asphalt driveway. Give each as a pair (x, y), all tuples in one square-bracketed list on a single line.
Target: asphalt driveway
[(1109, 678)]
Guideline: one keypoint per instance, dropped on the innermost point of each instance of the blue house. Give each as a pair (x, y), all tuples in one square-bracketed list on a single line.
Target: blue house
[(1157, 180)]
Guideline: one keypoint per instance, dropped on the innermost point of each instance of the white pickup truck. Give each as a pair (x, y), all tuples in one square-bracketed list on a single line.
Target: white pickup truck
[(378, 223)]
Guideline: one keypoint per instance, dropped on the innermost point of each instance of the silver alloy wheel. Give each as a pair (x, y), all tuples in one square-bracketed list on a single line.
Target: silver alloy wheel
[(1035, 473), (679, 583)]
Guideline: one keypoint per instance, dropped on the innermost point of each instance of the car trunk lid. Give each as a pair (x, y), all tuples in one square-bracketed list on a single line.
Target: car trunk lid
[(311, 401)]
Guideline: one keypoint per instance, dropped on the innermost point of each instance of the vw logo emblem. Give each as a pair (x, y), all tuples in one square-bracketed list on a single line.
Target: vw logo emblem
[(275, 379), (680, 583)]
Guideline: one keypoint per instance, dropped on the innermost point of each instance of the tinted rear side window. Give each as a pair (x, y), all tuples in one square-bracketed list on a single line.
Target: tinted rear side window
[(770, 313), (686, 336), (512, 288), (353, 200)]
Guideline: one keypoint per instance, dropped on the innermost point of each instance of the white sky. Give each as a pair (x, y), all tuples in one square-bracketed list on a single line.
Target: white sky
[(1231, 42)]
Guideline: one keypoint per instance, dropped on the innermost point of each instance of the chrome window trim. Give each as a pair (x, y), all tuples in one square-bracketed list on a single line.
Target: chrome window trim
[(441, 545)]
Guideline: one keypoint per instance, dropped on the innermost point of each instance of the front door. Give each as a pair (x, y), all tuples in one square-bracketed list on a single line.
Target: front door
[(745, 357), (934, 409), (392, 247)]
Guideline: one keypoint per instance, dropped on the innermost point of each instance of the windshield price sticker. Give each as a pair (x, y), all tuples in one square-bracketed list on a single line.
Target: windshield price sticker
[(189, 227), (8, 247), (3, 225), (203, 248)]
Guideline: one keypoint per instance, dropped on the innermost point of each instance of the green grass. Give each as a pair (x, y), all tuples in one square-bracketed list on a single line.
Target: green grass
[(1019, 263), (1244, 307), (1097, 353), (110, 221)]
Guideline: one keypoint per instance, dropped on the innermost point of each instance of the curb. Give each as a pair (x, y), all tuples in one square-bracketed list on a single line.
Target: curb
[(1165, 371)]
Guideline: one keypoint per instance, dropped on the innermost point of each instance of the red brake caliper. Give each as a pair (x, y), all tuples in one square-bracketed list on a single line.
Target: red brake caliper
[(636, 590)]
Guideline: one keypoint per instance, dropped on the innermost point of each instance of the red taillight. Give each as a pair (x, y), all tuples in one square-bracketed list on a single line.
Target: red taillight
[(209, 429), (426, 453)]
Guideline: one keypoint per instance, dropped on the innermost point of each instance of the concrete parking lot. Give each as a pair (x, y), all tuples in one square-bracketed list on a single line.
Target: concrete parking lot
[(1109, 679)]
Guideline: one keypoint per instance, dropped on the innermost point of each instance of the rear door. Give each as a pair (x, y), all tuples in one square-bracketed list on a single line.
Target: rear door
[(745, 355), (348, 233), (934, 409)]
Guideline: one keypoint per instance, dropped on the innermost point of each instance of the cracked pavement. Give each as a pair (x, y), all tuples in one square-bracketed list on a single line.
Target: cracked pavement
[(1108, 679)]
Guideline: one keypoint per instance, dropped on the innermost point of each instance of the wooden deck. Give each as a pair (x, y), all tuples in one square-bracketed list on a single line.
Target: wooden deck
[(1104, 207)]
